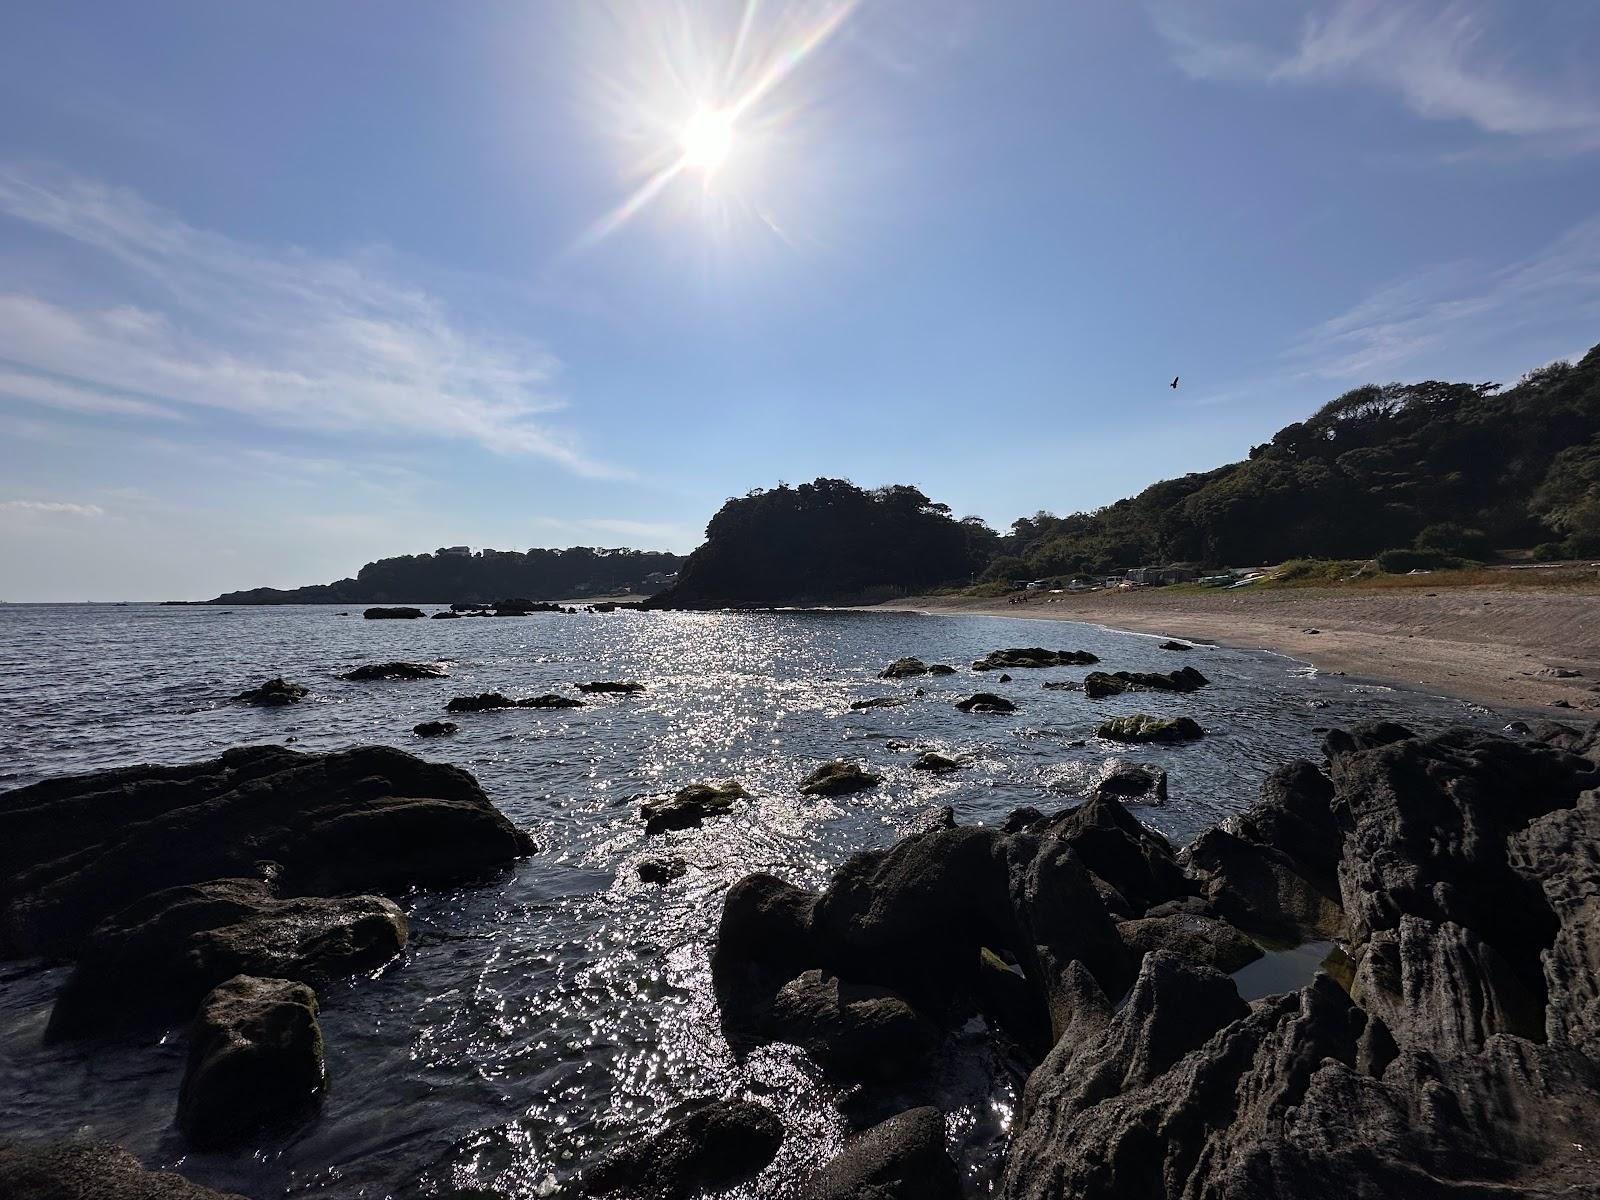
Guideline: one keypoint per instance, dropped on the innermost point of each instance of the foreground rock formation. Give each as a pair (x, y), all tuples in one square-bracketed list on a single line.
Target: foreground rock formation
[(89, 1171), (1457, 1055)]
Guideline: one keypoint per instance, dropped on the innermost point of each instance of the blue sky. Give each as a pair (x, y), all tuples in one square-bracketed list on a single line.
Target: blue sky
[(284, 288)]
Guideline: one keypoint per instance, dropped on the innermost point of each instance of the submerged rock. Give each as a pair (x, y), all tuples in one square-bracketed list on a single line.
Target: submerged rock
[(78, 849), (394, 670), (274, 693), (901, 668), (89, 1171), (1141, 727), (154, 961), (550, 700), (689, 806), (1099, 683), (1035, 656), (255, 1061), (602, 686), (713, 1148), (1171, 645), (483, 702), (838, 778), (662, 870), (879, 702), (932, 760), (985, 702), (903, 1158), (434, 729), (392, 614)]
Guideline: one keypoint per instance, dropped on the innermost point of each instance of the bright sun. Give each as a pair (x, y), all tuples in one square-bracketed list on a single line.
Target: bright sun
[(706, 140)]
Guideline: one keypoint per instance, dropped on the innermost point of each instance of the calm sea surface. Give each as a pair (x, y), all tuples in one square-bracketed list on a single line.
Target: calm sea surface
[(537, 1022)]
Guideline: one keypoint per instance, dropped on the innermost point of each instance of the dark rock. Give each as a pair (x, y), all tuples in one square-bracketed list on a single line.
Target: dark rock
[(434, 729), (1199, 941), (483, 702), (601, 686), (550, 700), (1135, 783), (853, 1031), (689, 806), (1035, 656), (903, 1158), (1004, 679), (1098, 683), (77, 849), (932, 760), (838, 778), (155, 960), (392, 614), (89, 1171), (255, 1061), (1062, 685), (274, 693), (764, 939), (985, 702), (394, 670), (900, 668), (1022, 818), (662, 870), (1170, 645), (446, 615), (878, 702), (1141, 727), (940, 669), (1113, 846), (713, 1148)]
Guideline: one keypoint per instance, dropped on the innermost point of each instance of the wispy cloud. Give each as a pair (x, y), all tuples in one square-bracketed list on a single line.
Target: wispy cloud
[(1455, 306), (1445, 60), (52, 506), (190, 320)]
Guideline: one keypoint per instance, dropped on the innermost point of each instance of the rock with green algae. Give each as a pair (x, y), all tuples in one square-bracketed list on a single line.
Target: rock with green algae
[(689, 806), (1142, 727), (838, 778)]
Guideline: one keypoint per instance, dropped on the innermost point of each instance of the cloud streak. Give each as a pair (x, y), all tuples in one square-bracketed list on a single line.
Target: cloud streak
[(52, 506), (190, 321), (1443, 60)]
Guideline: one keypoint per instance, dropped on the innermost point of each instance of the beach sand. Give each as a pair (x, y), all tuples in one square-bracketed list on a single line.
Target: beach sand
[(1495, 645)]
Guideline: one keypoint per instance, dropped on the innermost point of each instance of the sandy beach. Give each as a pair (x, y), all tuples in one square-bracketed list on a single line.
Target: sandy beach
[(1495, 645)]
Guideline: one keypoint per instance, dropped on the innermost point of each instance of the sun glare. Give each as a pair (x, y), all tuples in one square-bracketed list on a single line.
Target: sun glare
[(707, 139)]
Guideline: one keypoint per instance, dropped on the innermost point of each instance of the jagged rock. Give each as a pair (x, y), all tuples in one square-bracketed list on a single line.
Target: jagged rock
[(1197, 940), (985, 702), (713, 1148), (392, 614), (1141, 727), (550, 700), (1004, 679), (434, 729), (484, 702), (932, 760), (1135, 783), (1098, 683), (446, 615), (662, 870), (602, 686), (89, 1171), (155, 960), (1111, 843), (997, 660), (255, 1061), (838, 778), (394, 670), (689, 806), (274, 693), (878, 702), (75, 850), (903, 1158), (853, 1031), (1171, 645)]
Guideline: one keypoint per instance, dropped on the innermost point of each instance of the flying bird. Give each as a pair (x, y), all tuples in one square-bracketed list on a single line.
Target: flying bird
[(1174, 384)]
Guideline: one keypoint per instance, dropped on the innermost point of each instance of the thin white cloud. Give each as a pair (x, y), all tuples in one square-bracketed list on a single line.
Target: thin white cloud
[(52, 506), (1450, 308), (192, 320), (1443, 58)]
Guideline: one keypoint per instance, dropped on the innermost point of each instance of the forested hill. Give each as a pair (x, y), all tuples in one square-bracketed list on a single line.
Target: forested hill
[(1463, 469), (488, 575)]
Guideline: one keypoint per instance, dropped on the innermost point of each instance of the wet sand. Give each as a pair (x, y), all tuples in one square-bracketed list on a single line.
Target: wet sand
[(1500, 646)]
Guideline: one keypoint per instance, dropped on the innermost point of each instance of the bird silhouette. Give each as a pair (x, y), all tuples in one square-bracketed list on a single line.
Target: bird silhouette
[(1174, 383)]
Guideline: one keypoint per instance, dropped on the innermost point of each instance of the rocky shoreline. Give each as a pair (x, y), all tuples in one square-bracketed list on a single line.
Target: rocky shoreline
[(1450, 1047)]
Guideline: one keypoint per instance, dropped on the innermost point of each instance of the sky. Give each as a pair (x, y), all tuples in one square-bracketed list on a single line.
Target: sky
[(287, 288)]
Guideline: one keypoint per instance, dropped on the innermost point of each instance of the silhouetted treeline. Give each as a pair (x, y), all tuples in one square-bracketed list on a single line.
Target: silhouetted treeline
[(828, 540), (487, 575), (1453, 467)]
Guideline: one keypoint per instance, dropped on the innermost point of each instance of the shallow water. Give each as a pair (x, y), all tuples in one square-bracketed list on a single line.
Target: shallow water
[(538, 1021)]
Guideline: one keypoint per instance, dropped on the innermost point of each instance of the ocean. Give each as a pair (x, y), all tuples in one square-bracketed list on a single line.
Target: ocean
[(540, 1020)]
